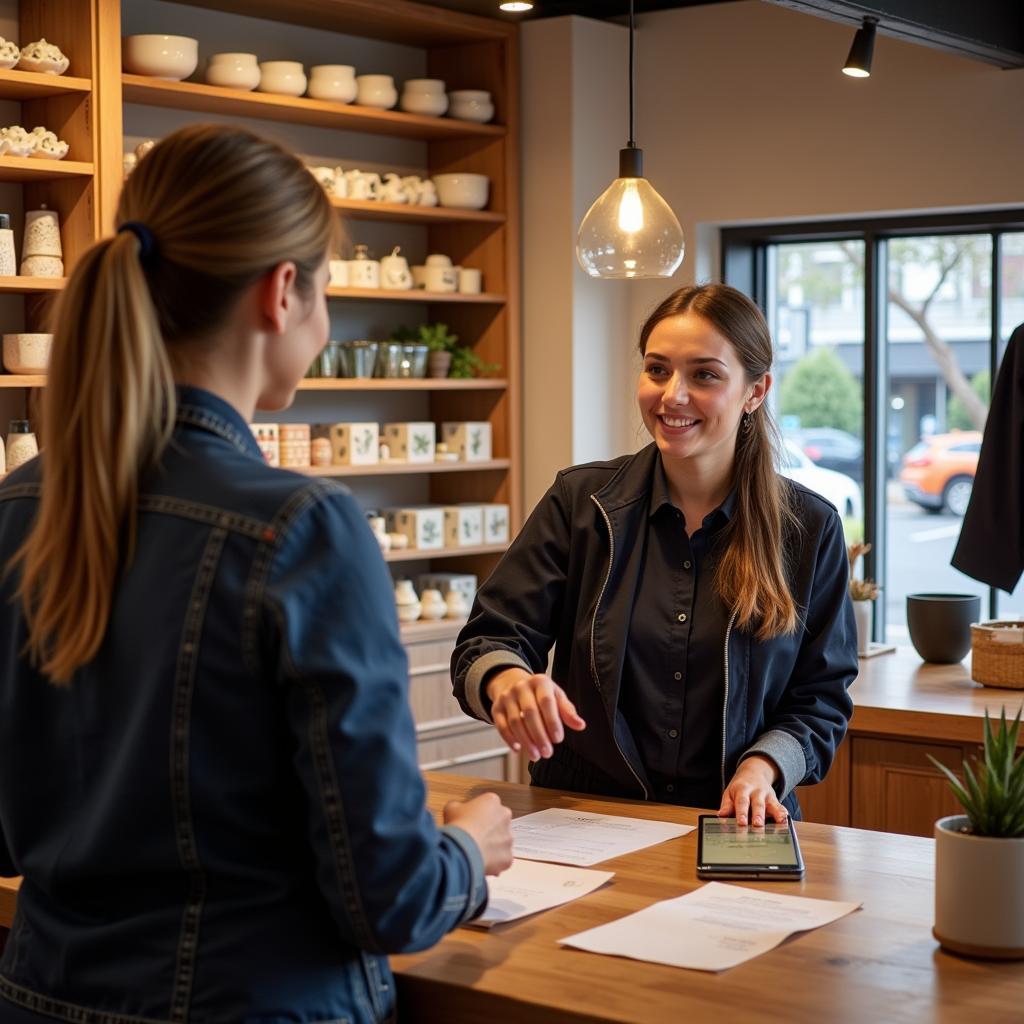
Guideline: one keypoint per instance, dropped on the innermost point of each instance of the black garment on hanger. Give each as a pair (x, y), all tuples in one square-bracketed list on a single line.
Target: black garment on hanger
[(991, 544)]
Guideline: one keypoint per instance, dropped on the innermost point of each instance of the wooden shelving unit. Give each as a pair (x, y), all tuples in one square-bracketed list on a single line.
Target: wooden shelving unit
[(22, 169), (407, 468), (416, 295), (364, 209), (403, 384), (212, 99), (419, 556), (12, 380), (31, 85), (28, 285)]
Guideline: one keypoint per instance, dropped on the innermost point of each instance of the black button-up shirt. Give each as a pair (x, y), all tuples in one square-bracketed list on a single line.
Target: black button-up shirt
[(673, 682)]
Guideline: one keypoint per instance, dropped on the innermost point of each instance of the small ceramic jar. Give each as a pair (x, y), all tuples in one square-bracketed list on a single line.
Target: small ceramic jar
[(27, 353), (376, 91), (320, 453), (433, 604), (21, 444), (282, 77), (42, 234), (362, 271), (457, 605), (380, 532), (334, 82), (408, 603), (471, 105), (424, 96), (8, 257), (233, 71), (42, 266)]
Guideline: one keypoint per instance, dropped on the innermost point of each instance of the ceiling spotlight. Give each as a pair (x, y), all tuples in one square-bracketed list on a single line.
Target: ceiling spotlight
[(858, 63), (516, 6)]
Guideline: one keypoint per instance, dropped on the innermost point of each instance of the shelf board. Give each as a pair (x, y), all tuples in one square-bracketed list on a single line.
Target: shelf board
[(417, 555), (364, 209), (22, 380), (403, 384), (212, 99), (31, 85), (414, 295), (26, 168), (431, 629), (403, 468), (32, 284)]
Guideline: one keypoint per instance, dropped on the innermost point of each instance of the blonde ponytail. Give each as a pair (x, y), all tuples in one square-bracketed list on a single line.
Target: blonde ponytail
[(219, 208)]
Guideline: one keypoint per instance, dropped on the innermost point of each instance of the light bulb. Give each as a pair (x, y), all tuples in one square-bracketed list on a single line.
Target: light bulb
[(515, 6), (630, 232)]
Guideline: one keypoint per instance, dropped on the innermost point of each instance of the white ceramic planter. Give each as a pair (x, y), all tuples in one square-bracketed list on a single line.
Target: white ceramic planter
[(979, 892), (862, 613), (283, 77), (334, 82), (170, 57), (234, 71)]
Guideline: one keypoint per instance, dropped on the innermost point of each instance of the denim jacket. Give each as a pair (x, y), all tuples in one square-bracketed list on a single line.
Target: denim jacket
[(221, 819), (568, 581)]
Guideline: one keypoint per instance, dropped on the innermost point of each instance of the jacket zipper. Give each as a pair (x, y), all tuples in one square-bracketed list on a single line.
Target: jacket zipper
[(725, 699), (593, 627)]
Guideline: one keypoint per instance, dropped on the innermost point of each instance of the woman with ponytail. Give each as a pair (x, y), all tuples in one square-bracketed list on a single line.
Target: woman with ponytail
[(208, 773), (696, 599)]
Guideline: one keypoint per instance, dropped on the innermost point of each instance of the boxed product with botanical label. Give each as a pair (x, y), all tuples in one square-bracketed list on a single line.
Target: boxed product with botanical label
[(410, 442), (354, 444), (269, 442), (463, 526), (495, 526), (294, 442), (422, 524), (471, 440)]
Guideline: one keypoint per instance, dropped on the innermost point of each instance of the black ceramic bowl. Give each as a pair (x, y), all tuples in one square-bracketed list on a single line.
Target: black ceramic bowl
[(940, 625)]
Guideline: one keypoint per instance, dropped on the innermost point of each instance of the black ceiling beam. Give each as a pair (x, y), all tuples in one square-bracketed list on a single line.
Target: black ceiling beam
[(986, 30)]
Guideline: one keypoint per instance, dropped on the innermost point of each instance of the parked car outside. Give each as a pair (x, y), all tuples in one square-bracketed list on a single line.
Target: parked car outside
[(938, 472), (831, 448), (835, 487)]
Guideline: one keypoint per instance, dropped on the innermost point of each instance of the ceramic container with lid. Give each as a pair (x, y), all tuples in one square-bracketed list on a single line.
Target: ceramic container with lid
[(21, 444), (471, 105), (376, 91), (424, 96)]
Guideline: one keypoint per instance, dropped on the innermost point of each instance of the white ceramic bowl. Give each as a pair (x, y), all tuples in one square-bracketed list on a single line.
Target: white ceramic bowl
[(233, 71), (424, 86), (335, 82), (471, 105), (170, 57), (463, 191), (433, 104), (376, 91), (282, 77), (27, 353)]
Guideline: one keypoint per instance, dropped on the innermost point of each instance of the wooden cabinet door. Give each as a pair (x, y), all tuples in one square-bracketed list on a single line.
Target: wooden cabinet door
[(897, 789), (828, 803)]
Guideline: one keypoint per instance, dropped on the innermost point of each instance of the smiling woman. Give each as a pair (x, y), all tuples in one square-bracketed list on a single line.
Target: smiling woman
[(696, 600)]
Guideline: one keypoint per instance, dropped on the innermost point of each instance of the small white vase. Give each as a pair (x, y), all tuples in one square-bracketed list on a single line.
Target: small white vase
[(434, 606), (458, 606), (979, 892), (862, 612), (408, 603)]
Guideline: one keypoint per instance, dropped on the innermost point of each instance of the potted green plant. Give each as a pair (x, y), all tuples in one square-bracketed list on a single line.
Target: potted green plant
[(979, 855), (447, 357), (864, 593)]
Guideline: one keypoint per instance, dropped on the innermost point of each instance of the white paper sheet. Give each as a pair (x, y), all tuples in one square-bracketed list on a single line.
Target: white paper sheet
[(712, 928), (576, 837), (529, 887)]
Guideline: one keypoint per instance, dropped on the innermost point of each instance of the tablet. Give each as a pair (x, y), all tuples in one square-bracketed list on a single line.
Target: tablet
[(727, 850)]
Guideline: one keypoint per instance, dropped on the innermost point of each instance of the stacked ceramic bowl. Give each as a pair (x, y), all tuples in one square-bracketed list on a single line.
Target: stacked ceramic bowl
[(171, 57)]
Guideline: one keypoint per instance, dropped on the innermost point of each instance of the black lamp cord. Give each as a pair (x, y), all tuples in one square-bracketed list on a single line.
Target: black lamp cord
[(632, 141)]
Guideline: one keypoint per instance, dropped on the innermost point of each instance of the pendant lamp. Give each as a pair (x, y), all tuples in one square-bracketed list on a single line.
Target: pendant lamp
[(630, 231)]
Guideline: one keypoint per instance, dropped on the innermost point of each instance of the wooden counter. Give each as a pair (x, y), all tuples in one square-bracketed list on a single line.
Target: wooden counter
[(904, 709), (878, 964)]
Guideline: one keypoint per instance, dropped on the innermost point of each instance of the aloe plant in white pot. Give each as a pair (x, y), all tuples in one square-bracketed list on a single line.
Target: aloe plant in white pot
[(979, 855)]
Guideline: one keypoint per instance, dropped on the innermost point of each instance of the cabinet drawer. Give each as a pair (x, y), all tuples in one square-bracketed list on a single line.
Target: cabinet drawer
[(430, 696), (459, 745)]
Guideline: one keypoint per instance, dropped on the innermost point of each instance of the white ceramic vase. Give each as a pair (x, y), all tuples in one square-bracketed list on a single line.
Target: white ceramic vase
[(434, 606), (979, 892), (408, 603), (862, 612), (458, 606)]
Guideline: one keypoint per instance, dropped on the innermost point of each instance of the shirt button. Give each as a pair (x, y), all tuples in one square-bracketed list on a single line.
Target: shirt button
[(673, 733), (686, 565), (670, 788), (677, 675), (682, 617)]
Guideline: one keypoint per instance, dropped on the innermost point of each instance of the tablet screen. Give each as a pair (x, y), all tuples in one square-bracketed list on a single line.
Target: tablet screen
[(724, 842)]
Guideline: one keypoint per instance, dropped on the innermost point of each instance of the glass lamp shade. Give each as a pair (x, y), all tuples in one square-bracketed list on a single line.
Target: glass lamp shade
[(630, 232)]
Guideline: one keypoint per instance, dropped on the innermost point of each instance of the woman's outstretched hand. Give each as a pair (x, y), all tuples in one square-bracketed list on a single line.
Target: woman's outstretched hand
[(750, 794), (529, 711)]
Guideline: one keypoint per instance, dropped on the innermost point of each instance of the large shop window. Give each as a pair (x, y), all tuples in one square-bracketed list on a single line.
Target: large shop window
[(888, 334)]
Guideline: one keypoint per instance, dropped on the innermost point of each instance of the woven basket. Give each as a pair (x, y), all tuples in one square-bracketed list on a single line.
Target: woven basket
[(997, 654)]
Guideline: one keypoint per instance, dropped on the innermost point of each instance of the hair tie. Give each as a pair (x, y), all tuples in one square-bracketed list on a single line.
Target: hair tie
[(147, 241)]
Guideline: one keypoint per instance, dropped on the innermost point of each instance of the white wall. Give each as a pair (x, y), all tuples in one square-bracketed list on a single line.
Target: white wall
[(744, 116)]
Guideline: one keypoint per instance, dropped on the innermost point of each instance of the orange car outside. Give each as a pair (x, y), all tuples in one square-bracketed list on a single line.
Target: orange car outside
[(938, 472)]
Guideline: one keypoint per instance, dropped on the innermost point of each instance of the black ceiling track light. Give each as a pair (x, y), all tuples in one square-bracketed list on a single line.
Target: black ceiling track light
[(858, 63)]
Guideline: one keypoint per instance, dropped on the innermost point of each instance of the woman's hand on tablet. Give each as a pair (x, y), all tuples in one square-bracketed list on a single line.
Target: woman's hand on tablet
[(750, 794)]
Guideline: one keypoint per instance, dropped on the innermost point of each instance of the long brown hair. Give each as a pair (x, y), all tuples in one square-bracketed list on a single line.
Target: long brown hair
[(218, 207), (751, 577)]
